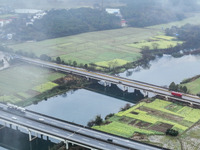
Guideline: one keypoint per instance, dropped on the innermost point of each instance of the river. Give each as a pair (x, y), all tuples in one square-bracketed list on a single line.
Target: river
[(82, 105)]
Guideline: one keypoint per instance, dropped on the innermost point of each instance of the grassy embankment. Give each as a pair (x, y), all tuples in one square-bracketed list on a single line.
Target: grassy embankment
[(24, 84), (193, 85), (152, 118)]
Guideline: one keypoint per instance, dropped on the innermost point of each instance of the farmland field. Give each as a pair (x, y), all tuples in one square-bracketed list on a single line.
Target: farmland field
[(21, 82), (161, 42), (151, 118), (94, 47)]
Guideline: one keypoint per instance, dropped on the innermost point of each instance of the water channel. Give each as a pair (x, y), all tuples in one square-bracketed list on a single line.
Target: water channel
[(82, 105)]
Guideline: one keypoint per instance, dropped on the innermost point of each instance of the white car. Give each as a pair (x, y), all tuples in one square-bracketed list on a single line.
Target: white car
[(14, 118)]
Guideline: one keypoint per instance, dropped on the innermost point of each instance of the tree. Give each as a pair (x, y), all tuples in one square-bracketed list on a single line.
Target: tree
[(98, 120), (74, 63), (86, 66), (58, 60), (185, 89), (171, 132), (172, 86), (90, 123)]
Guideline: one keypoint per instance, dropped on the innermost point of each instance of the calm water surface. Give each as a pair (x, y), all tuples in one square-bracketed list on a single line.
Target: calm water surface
[(165, 70), (79, 106)]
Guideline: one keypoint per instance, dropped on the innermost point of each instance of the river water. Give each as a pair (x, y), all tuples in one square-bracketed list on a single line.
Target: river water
[(82, 105), (165, 70)]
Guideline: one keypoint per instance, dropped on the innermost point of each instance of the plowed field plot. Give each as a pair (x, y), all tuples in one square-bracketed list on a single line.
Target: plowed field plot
[(152, 118)]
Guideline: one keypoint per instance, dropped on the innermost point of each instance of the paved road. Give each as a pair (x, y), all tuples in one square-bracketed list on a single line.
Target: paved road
[(65, 130), (112, 79)]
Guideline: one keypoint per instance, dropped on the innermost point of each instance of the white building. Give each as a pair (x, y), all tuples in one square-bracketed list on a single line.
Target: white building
[(113, 11)]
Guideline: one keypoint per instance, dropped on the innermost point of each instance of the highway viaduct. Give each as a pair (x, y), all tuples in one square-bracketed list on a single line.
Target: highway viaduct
[(112, 79), (38, 124)]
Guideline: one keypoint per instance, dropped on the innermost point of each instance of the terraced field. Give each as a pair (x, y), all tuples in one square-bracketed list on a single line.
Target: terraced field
[(151, 118)]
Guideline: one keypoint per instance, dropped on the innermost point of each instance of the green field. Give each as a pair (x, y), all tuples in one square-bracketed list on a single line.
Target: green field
[(152, 118), (194, 86), (161, 41), (21, 82), (93, 47)]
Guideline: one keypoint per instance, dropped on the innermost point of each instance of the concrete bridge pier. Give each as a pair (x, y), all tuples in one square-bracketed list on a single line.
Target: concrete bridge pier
[(125, 88), (66, 144), (11, 126), (145, 93), (30, 136), (87, 78)]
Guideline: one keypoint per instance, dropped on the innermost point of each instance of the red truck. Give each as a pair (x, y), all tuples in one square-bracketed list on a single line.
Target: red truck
[(176, 94)]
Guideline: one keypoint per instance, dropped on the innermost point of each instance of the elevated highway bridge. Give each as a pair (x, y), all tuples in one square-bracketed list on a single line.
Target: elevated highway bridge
[(112, 79), (65, 131)]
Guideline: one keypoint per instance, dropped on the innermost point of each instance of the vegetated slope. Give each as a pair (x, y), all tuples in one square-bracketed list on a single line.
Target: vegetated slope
[(193, 85), (144, 13)]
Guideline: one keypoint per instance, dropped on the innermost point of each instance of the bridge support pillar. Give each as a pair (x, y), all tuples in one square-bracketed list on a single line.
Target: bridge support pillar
[(87, 78), (67, 145), (125, 88), (30, 136), (105, 83), (166, 97), (145, 93), (41, 136), (11, 126)]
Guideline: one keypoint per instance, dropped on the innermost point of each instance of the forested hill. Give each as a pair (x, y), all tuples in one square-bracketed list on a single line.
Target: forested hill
[(144, 13), (59, 23)]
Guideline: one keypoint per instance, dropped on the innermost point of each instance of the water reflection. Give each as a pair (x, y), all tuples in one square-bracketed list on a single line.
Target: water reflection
[(79, 106), (165, 70)]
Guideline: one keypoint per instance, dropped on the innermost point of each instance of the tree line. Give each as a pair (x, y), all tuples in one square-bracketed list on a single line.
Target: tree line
[(188, 33), (152, 12)]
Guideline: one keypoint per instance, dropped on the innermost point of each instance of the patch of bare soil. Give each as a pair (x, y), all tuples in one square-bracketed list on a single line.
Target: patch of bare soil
[(142, 124), (125, 119), (32, 92), (161, 114), (162, 127), (135, 113), (139, 137), (133, 122)]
